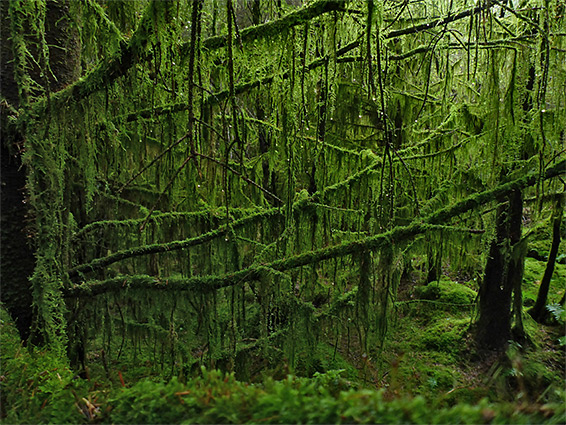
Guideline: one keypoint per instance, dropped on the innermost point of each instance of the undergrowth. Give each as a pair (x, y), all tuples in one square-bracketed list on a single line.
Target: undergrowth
[(427, 379)]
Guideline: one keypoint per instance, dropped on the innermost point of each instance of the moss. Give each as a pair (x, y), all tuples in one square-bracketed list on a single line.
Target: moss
[(274, 28), (450, 293), (446, 336), (534, 271), (37, 386), (325, 358), (531, 371), (425, 372)]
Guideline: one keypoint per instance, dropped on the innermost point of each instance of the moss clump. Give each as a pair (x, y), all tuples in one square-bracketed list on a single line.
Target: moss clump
[(446, 336), (36, 386), (447, 292)]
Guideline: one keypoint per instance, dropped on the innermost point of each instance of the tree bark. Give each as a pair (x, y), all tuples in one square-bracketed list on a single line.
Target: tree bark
[(17, 256), (493, 329), (18, 259)]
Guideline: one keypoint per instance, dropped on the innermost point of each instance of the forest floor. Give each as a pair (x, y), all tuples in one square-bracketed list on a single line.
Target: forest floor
[(426, 371), (429, 350)]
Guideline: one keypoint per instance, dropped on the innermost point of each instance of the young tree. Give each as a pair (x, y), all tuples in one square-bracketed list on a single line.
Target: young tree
[(539, 311)]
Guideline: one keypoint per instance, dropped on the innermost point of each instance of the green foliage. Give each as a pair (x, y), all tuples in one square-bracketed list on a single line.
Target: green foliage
[(156, 211), (37, 386), (559, 313), (447, 335), (217, 398), (323, 358), (534, 271)]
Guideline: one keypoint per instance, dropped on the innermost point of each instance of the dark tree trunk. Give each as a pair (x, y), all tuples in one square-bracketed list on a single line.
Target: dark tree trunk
[(433, 263), (493, 329), (539, 311), (18, 260), (17, 256)]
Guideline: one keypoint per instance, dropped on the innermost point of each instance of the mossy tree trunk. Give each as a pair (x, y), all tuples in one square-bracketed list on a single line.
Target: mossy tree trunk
[(500, 275), (55, 46), (17, 261)]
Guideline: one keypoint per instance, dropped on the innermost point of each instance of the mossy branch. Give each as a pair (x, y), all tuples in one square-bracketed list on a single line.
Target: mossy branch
[(99, 263), (211, 283), (173, 215), (427, 26), (474, 201), (219, 97), (395, 236), (112, 68), (273, 28)]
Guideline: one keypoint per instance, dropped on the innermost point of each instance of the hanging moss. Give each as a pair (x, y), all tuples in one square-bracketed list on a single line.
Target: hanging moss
[(114, 67), (273, 28), (282, 110)]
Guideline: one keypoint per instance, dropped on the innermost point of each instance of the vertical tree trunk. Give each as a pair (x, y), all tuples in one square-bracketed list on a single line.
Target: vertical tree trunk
[(17, 256), (539, 312), (18, 260), (493, 329)]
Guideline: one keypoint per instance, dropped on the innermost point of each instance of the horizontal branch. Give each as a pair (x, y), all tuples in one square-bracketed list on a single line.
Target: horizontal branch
[(212, 283), (274, 27), (475, 200), (102, 262), (162, 216), (216, 98), (438, 22), (395, 236)]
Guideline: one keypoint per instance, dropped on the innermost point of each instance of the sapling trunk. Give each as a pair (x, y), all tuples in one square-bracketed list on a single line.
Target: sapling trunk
[(539, 311)]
